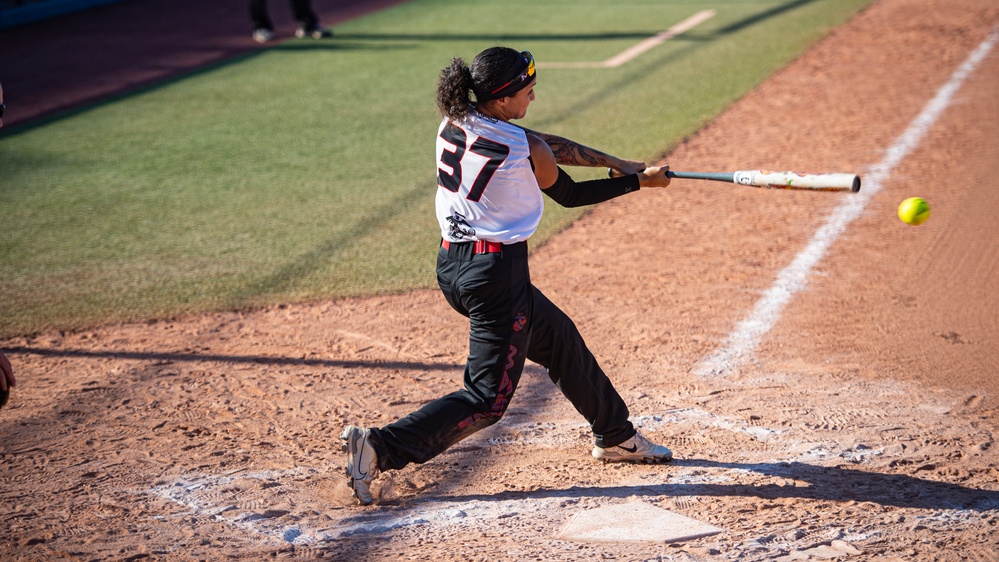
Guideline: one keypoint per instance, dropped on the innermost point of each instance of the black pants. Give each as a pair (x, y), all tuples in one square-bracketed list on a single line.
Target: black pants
[(302, 9), (510, 321)]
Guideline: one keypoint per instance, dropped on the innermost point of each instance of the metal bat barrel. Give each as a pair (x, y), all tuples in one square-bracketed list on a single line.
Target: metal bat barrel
[(799, 180)]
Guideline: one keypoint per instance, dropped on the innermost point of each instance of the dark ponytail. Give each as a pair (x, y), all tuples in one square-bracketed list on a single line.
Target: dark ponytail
[(452, 90)]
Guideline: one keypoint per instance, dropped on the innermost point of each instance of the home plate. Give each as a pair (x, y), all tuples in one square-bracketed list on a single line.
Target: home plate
[(634, 522)]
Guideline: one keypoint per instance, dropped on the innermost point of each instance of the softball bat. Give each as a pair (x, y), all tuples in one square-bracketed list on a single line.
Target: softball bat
[(776, 180)]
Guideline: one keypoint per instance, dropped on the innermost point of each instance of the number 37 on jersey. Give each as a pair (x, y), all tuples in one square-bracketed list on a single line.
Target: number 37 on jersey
[(471, 165)]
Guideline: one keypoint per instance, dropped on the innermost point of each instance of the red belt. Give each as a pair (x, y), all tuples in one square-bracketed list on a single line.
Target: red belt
[(481, 246)]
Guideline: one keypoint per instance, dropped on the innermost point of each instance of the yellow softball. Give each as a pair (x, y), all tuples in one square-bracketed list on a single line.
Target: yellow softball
[(914, 211)]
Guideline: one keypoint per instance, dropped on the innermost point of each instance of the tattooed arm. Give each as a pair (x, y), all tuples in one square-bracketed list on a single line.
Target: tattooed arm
[(571, 153)]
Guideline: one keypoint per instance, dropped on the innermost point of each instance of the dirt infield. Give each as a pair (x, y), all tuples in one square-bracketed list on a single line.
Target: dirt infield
[(861, 427)]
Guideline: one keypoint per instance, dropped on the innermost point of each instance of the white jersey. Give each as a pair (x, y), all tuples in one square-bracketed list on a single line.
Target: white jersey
[(486, 186)]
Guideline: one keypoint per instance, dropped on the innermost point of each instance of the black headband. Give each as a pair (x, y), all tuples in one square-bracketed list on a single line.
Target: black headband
[(515, 79)]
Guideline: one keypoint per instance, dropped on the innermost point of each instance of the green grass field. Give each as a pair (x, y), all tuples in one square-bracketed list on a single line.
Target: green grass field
[(306, 171)]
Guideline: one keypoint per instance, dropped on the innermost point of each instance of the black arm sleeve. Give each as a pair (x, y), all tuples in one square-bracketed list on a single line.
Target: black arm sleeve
[(568, 193)]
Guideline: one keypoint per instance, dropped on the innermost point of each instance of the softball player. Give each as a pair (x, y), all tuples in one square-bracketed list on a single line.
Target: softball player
[(491, 175)]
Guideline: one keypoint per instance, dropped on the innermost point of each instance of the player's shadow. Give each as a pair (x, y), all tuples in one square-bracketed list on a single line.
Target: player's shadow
[(793, 480), (166, 357)]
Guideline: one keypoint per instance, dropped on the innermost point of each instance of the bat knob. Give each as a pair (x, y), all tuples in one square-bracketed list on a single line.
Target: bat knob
[(856, 184)]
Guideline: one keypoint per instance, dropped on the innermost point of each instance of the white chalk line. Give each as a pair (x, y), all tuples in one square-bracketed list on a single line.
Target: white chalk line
[(220, 496), (202, 494), (213, 495), (741, 343), (641, 48)]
